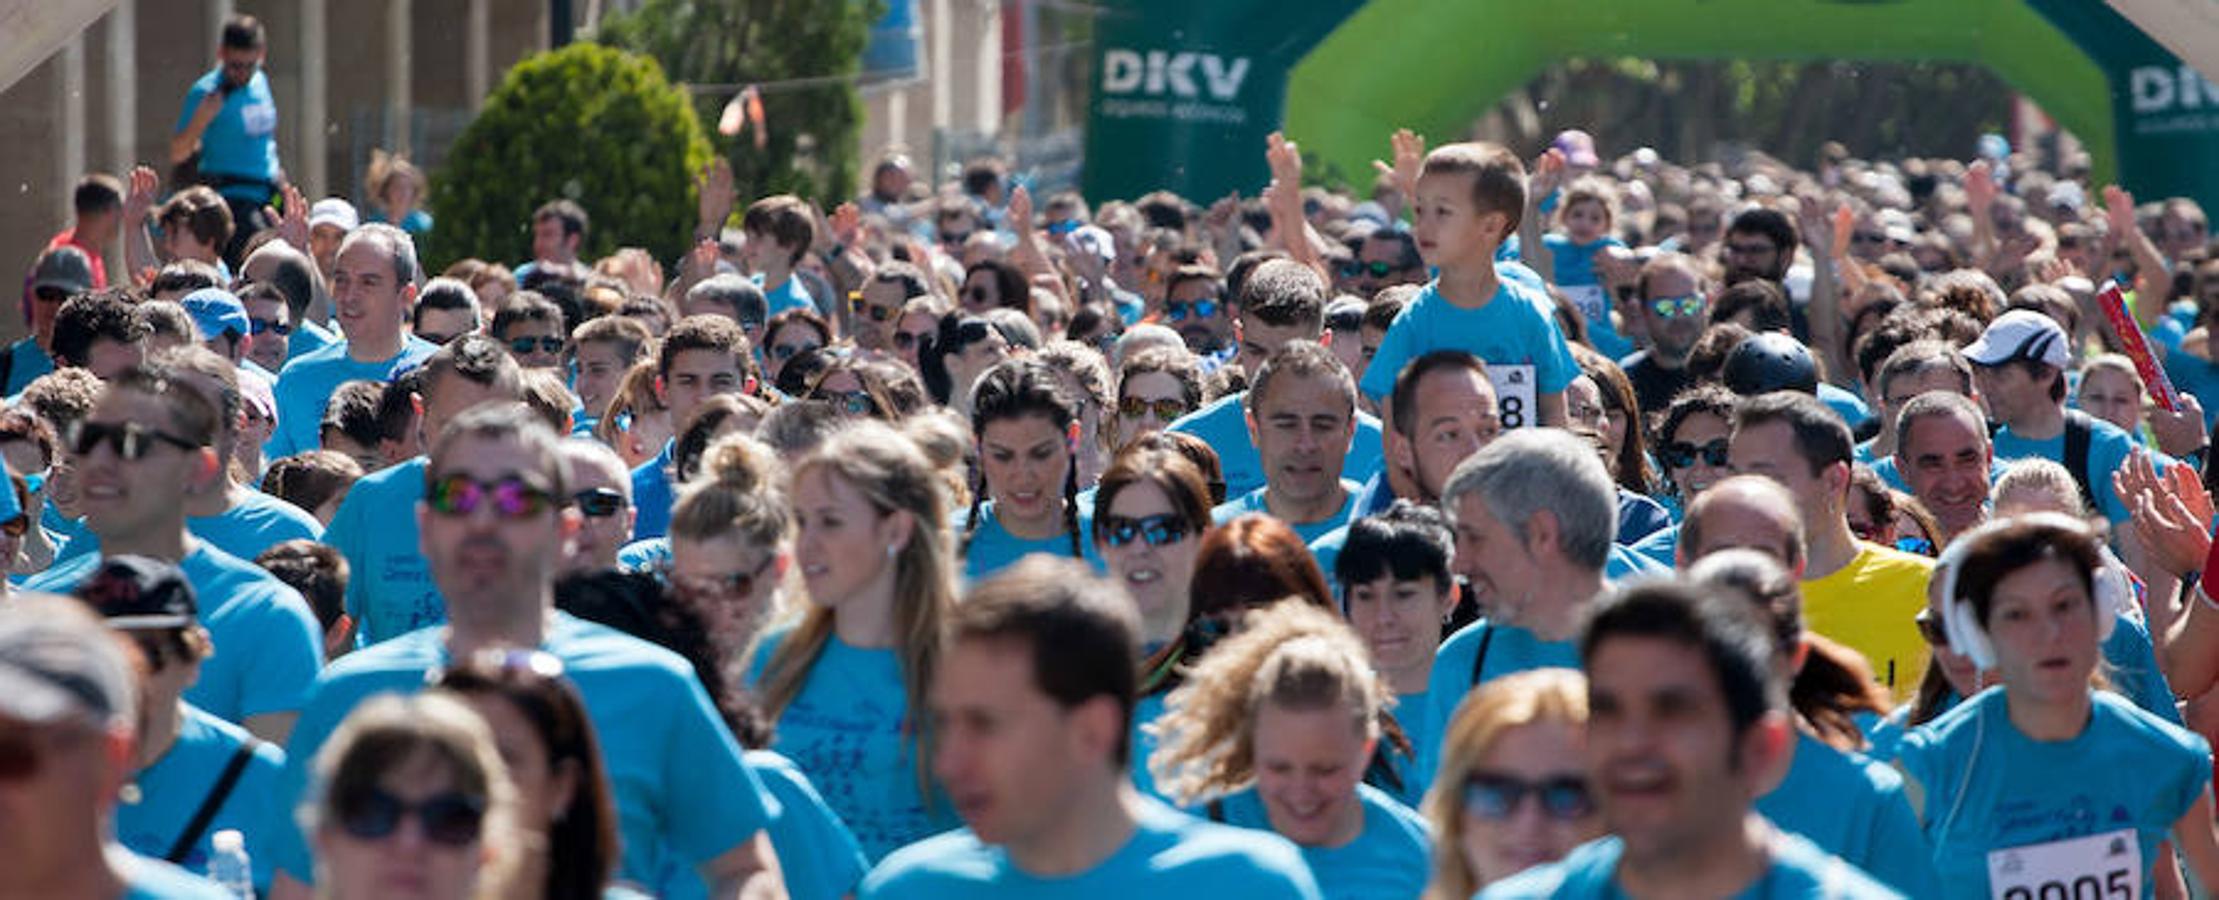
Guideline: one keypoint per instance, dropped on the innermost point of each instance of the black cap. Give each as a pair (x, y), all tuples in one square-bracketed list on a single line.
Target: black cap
[(1770, 362), (139, 593)]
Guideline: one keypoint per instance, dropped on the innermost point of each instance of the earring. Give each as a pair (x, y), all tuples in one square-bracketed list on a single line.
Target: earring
[(892, 550)]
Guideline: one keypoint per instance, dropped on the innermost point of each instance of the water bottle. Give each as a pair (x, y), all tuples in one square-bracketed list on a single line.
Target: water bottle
[(228, 866)]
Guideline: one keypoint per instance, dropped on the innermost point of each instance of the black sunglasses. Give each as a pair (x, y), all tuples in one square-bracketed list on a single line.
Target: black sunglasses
[(130, 441), (452, 818), (1680, 455), (273, 326), (1157, 530), (1497, 797), (870, 311), (598, 503), (784, 352), (904, 340), (548, 344), (728, 584)]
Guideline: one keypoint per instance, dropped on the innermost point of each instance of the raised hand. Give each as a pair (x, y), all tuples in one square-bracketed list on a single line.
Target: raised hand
[(1409, 155), (1285, 158), (1844, 224), (2118, 211), (846, 223), (1020, 210), (291, 224), (2170, 513), (2181, 431), (1980, 187), (138, 198), (714, 184), (1548, 175)]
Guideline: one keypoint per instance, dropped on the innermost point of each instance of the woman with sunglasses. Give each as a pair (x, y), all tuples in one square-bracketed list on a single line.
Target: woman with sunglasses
[(727, 549), (1275, 730), (1028, 431), (565, 816), (787, 335), (637, 422), (915, 327), (861, 387), (1515, 739), (1154, 388), (993, 284), (962, 350), (1150, 515), (2048, 783), (842, 683), (1691, 443), (412, 801), (875, 309), (1845, 802)]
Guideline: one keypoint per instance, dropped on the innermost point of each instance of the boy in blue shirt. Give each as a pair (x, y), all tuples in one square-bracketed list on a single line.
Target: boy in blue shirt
[(1281, 301), (779, 230), (1470, 198), (701, 357), (1033, 704), (1687, 724), (1301, 417)]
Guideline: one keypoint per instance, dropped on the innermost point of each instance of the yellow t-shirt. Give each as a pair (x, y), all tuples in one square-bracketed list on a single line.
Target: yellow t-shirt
[(1869, 606)]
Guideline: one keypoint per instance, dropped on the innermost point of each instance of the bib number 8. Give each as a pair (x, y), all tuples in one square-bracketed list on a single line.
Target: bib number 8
[(1513, 412)]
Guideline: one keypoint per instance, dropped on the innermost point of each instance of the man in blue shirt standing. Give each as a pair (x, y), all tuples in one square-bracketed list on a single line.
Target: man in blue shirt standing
[(230, 121), (2019, 363), (493, 525), (701, 357), (1687, 725), (373, 285), (1033, 707)]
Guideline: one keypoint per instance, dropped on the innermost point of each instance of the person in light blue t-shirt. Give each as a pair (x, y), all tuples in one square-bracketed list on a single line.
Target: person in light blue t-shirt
[(1397, 590), (701, 356), (1281, 301), (2020, 363), (691, 812), (779, 230), (1274, 730), (1035, 699), (845, 686), (1588, 213), (1027, 429), (1301, 417), (2044, 782), (390, 590), (373, 284), (1534, 512), (1687, 725)]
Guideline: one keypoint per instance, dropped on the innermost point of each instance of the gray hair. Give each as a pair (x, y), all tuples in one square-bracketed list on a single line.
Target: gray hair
[(745, 299), (1533, 469), (1144, 336), (1939, 403), (398, 247), (585, 451)]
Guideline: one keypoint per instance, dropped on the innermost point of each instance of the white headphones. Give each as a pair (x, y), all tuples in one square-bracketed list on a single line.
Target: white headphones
[(2113, 591)]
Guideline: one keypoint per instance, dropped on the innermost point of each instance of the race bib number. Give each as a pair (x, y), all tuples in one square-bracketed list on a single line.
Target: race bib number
[(260, 119), (2097, 867), (1591, 301), (1514, 393)]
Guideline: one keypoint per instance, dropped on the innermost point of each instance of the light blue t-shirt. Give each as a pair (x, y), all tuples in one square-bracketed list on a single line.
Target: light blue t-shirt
[(256, 523), (1170, 854), (790, 295), (817, 855), (683, 793), (241, 141), (2108, 449), (268, 644), (172, 789), (1474, 655), (2194, 375), (1661, 547), (1576, 277), (390, 591), (1390, 859), (849, 728), (644, 555), (148, 878), (1799, 871), (1414, 713), (1854, 808), (653, 494), (1849, 406), (1310, 532), (1988, 787), (1516, 327), (305, 385), (990, 548), (1223, 424), (26, 362), (307, 338)]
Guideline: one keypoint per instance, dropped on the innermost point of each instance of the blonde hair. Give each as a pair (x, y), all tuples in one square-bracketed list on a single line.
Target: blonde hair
[(1291, 654), (1503, 704), (947, 443), (894, 476), (2045, 476), (740, 490), (387, 733)]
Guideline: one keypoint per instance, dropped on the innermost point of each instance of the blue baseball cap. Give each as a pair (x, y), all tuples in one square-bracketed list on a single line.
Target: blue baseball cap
[(215, 311)]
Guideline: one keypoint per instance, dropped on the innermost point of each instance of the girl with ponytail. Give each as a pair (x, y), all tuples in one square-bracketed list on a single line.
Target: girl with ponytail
[(1027, 432)]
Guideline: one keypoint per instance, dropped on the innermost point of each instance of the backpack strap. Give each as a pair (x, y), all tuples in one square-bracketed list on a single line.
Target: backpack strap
[(2080, 433), (209, 805), (1479, 660), (1215, 809)]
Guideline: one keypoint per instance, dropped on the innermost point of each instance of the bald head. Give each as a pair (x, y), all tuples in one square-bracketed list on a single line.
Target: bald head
[(1749, 511)]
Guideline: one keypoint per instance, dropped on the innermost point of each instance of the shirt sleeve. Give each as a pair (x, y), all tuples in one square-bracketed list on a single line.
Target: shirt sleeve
[(199, 89), (1900, 856), (1393, 354), (714, 800), (1553, 366), (286, 656)]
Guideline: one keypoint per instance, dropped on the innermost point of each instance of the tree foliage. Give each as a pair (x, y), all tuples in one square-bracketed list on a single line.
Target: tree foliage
[(813, 128), (593, 124)]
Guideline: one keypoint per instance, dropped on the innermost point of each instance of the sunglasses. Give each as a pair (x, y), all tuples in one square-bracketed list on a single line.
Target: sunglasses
[(452, 818), (970, 331), (1678, 307), (1733, 249), (784, 352), (870, 311), (130, 441), (1377, 269), (977, 295), (1497, 797), (1931, 629), (1177, 310), (854, 403), (445, 339), (1680, 455), (904, 340), (598, 503), (954, 238), (729, 584), (1156, 530), (270, 326), (1166, 409), (459, 495), (548, 344), (1868, 237)]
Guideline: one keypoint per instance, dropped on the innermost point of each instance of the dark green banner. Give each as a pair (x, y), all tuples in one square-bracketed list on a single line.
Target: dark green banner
[(2165, 116)]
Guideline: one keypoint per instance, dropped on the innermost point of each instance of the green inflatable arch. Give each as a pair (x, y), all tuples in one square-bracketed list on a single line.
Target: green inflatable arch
[(1375, 73), (1184, 91)]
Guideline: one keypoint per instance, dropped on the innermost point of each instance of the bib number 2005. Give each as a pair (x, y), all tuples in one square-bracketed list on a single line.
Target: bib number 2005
[(2097, 867)]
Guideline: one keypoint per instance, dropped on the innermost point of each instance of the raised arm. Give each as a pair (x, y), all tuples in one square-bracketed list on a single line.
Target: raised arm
[(1289, 229), (2149, 264), (1548, 174), (138, 246)]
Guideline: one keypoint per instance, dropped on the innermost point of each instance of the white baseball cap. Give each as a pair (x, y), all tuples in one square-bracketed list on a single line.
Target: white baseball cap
[(333, 211), (2021, 334)]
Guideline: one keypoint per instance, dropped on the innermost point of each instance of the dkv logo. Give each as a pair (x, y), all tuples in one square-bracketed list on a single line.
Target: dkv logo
[(2168, 99), (1160, 73)]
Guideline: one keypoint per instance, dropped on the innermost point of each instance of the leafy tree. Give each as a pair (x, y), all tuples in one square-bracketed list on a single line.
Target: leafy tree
[(813, 127), (593, 124)]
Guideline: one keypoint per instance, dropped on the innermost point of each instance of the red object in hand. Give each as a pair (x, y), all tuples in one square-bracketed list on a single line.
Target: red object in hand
[(2113, 302)]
